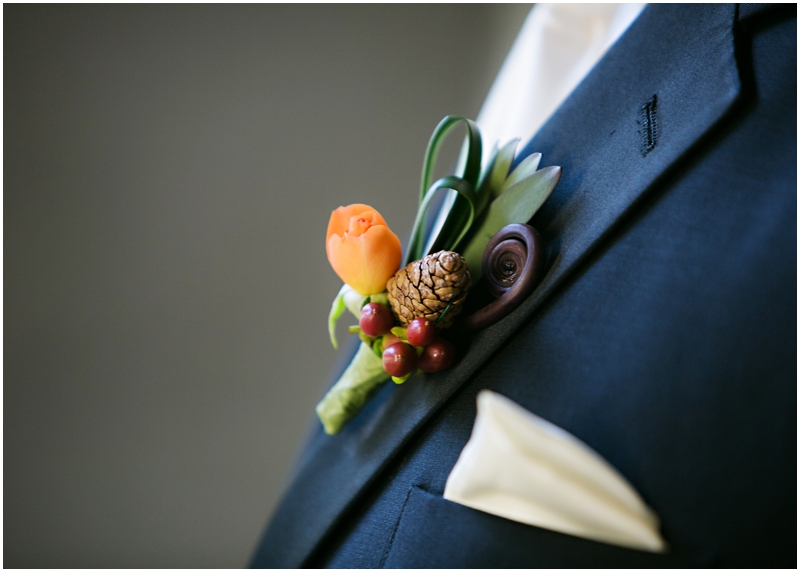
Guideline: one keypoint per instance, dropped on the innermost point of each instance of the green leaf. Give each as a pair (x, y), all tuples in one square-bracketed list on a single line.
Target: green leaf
[(399, 380), (499, 170), (337, 308), (522, 171), (354, 329), (465, 190), (381, 298), (517, 204), (457, 223), (353, 300), (377, 346), (358, 383), (400, 332), (487, 171), (365, 338)]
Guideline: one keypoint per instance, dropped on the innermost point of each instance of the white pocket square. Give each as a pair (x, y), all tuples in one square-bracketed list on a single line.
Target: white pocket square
[(520, 467)]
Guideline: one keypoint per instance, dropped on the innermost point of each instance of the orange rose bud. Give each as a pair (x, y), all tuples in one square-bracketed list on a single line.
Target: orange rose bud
[(361, 248)]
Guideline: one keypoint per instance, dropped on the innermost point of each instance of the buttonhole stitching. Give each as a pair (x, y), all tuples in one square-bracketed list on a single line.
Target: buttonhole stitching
[(649, 125)]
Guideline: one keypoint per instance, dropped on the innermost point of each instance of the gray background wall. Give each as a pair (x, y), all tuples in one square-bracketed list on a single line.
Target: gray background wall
[(168, 176)]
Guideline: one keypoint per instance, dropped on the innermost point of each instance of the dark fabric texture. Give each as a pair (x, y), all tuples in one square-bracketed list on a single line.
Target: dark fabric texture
[(663, 333), (428, 523)]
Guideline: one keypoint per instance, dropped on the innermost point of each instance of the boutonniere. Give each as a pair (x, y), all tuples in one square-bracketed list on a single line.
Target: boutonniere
[(406, 303)]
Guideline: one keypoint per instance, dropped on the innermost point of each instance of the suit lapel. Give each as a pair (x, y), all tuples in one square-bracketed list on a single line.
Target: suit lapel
[(659, 90)]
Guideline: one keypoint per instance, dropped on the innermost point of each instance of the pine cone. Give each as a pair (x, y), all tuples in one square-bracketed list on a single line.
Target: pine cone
[(424, 288)]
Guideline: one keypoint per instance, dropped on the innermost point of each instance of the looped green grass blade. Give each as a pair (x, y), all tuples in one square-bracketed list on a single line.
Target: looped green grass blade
[(465, 190), (472, 166)]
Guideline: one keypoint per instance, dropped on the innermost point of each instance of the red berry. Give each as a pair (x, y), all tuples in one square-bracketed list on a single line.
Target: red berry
[(376, 319), (399, 359), (438, 355), (420, 332)]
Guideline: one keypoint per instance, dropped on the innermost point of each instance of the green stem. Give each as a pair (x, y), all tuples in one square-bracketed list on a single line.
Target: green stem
[(358, 383)]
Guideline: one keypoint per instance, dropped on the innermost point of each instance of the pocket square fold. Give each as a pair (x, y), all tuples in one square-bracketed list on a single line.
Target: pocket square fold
[(520, 467)]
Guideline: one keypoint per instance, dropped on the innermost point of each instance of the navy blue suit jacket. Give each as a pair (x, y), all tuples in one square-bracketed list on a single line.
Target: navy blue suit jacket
[(663, 333)]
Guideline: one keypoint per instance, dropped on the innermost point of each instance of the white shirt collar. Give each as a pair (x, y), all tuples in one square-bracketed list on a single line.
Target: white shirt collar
[(557, 46)]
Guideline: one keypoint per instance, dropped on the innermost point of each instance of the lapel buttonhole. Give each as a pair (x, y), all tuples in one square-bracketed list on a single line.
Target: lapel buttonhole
[(649, 125)]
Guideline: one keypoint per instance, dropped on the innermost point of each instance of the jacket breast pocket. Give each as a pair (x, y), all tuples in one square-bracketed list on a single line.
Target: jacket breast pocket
[(435, 533)]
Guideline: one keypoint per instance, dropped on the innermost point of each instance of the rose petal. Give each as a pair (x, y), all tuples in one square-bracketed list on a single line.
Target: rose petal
[(365, 262), (340, 218)]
